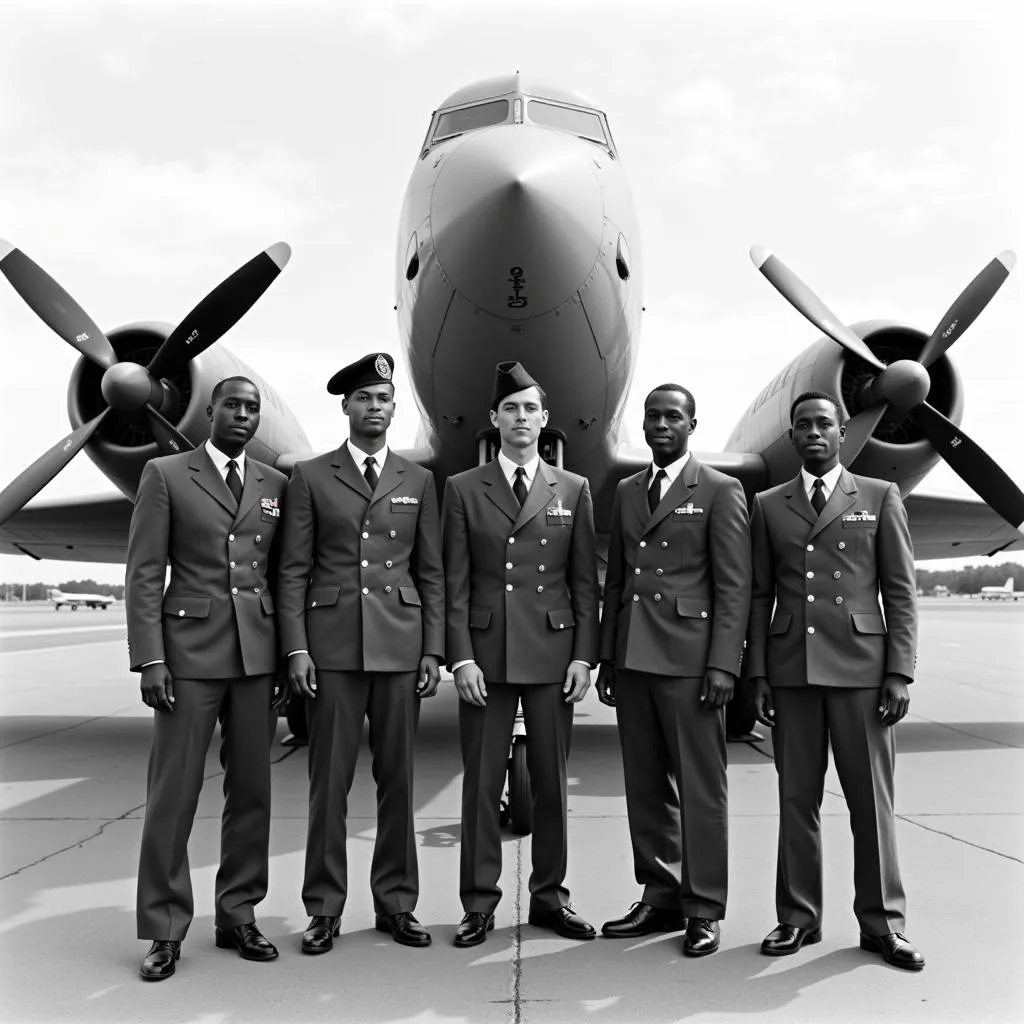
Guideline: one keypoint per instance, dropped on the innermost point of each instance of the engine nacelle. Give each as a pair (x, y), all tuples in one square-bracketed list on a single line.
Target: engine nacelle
[(123, 444), (897, 451)]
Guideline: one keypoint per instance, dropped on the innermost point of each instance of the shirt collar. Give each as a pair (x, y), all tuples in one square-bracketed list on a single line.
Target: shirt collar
[(220, 460), (829, 479), (672, 470), (508, 467), (359, 457)]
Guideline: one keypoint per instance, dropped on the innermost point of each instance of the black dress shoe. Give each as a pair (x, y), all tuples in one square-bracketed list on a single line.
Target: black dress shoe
[(894, 949), (643, 919), (319, 934), (248, 940), (160, 960), (404, 928), (473, 929), (787, 938), (702, 937), (565, 921)]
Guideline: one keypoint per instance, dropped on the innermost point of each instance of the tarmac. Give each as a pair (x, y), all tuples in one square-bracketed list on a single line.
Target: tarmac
[(74, 740)]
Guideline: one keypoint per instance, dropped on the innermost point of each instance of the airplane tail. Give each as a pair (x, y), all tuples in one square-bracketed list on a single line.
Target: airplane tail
[(1008, 585)]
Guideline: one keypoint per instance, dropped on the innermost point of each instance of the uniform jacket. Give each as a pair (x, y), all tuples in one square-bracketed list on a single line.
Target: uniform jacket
[(361, 582), (677, 592), (522, 582), (824, 575), (216, 619)]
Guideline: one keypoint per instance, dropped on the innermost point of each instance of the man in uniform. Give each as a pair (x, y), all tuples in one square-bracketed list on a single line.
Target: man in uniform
[(206, 650), (521, 572), (361, 596), (828, 667), (676, 600)]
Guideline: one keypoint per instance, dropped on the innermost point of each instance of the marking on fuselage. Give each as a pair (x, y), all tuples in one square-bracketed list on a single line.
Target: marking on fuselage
[(518, 282)]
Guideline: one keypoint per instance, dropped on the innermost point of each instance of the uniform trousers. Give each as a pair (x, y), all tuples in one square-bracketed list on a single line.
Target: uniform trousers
[(806, 720), (181, 738), (677, 797), (486, 736), (343, 701)]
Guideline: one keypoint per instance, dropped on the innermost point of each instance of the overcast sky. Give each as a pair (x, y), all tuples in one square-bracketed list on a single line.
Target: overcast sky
[(147, 150)]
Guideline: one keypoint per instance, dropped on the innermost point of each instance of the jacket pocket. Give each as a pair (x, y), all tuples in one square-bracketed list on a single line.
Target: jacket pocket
[(409, 595), (268, 604), (563, 618), (869, 623), (185, 606), (690, 608), (780, 624), (322, 597), (479, 618)]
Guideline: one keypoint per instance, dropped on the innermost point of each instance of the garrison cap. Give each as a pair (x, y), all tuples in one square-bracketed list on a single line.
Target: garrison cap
[(509, 378), (376, 368)]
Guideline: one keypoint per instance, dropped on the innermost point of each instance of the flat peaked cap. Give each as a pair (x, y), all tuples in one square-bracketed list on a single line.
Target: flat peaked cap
[(508, 379), (376, 368)]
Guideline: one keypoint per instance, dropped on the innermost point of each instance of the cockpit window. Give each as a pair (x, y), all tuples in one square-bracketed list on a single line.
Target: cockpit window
[(467, 119), (584, 123)]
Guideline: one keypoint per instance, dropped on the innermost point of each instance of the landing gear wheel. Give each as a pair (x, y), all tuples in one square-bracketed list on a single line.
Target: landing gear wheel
[(520, 792)]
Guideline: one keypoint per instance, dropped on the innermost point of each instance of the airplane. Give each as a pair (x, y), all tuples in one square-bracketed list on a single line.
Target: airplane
[(1003, 593), (76, 601), (518, 239)]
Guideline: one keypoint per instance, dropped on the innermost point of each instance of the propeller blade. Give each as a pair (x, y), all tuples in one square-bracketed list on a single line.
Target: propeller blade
[(23, 488), (859, 429), (973, 466), (54, 306), (791, 288), (220, 310), (170, 439), (969, 303)]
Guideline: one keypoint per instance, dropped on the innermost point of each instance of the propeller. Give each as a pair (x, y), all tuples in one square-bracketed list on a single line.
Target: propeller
[(128, 387), (903, 385)]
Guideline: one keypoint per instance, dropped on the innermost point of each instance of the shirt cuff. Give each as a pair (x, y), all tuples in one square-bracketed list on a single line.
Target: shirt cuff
[(580, 661), (459, 664), (159, 661), (300, 651)]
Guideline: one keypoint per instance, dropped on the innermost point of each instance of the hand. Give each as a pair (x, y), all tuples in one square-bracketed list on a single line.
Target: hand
[(280, 695), (764, 707), (577, 682), (430, 676), (302, 675), (157, 687), (469, 681), (606, 683), (893, 700), (717, 689)]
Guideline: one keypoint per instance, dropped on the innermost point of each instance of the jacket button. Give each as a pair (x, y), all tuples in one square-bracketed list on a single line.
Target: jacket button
[(540, 590), (231, 536), (258, 538), (366, 590), (234, 590), (364, 563), (231, 565), (657, 597), (664, 543), (636, 597), (387, 590), (511, 540), (388, 564), (643, 543), (255, 590), (659, 572), (393, 534), (366, 522), (561, 625), (810, 575), (313, 605), (703, 615), (810, 630), (810, 597), (842, 545), (837, 575), (255, 565), (540, 568), (543, 541), (181, 614), (508, 565), (839, 600), (508, 586), (810, 547), (636, 572), (366, 536)]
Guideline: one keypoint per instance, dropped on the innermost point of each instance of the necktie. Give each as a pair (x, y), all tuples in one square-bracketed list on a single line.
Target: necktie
[(654, 491), (234, 481), (370, 473), (818, 496), (519, 486)]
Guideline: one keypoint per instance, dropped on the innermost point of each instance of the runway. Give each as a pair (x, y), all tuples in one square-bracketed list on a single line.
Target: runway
[(74, 740)]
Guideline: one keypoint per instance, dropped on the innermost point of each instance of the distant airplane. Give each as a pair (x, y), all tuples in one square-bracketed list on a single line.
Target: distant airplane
[(1003, 593), (75, 601)]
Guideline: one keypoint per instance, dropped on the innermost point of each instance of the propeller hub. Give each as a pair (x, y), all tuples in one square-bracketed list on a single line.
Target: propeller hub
[(904, 383), (128, 387)]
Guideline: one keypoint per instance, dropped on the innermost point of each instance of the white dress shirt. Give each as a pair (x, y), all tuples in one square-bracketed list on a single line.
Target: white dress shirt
[(829, 481), (672, 470), (359, 457)]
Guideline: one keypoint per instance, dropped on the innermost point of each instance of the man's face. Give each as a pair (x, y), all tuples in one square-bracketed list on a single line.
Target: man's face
[(817, 435), (370, 409), (234, 416), (520, 418), (668, 425)]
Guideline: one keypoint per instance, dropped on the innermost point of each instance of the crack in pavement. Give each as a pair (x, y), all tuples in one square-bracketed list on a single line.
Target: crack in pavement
[(66, 728)]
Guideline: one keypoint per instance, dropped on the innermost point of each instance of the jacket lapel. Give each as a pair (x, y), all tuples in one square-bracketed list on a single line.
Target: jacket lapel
[(798, 501), (843, 497), (252, 489), (345, 470), (541, 491), (678, 494), (209, 479), (390, 477), (497, 489)]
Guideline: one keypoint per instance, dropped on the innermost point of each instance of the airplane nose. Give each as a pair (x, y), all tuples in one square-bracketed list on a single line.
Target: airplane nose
[(517, 218)]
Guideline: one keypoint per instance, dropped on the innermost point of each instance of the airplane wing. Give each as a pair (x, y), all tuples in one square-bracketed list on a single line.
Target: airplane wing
[(92, 529), (943, 527)]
